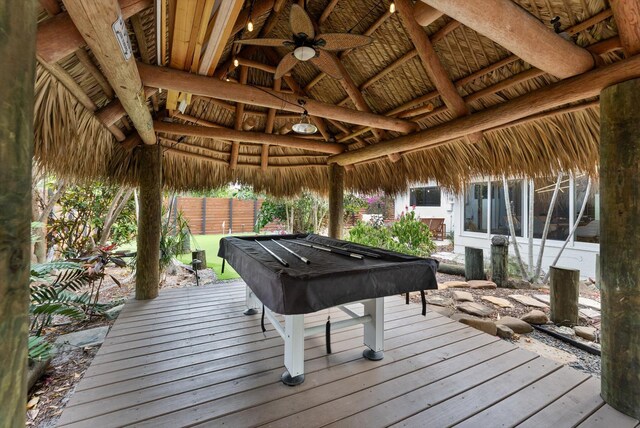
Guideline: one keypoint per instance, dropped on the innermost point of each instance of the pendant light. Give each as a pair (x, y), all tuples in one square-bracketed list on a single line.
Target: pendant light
[(304, 127)]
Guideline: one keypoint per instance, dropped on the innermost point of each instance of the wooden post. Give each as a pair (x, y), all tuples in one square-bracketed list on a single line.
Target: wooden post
[(619, 250), (17, 50), (473, 263), (336, 201), (148, 259), (565, 287), (500, 260)]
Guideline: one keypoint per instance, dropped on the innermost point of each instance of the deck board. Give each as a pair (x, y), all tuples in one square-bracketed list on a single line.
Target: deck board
[(190, 357)]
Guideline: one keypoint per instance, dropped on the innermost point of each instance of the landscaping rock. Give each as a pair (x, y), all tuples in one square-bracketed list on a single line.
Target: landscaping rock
[(544, 298), (504, 331), (82, 338), (587, 333), (455, 284), (589, 313), (535, 317), (114, 312), (475, 309), (498, 301), (565, 330), (439, 301), (590, 303), (517, 284), (528, 301), (462, 296), (446, 311), (515, 324), (481, 284), (487, 326)]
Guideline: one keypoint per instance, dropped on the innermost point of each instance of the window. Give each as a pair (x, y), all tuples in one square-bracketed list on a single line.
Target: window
[(476, 209), (425, 196), (499, 219), (588, 229), (559, 225)]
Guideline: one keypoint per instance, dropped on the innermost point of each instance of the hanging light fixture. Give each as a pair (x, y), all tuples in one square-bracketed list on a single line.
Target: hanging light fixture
[(305, 126), (250, 25), (236, 63), (392, 7)]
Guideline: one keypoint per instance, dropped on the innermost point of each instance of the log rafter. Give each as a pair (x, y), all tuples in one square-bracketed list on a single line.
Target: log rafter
[(519, 32), (571, 90), (627, 16), (94, 20)]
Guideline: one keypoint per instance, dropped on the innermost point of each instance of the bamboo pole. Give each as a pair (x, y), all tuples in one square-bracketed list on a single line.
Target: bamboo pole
[(17, 68)]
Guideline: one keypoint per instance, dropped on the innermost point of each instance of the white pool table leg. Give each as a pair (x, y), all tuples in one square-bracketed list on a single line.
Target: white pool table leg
[(252, 302), (374, 329), (293, 350)]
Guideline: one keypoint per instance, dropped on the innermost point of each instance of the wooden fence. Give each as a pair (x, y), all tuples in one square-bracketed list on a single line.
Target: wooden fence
[(208, 216)]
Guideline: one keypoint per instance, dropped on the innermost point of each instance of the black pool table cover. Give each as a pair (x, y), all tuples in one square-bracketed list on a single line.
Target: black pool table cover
[(329, 280)]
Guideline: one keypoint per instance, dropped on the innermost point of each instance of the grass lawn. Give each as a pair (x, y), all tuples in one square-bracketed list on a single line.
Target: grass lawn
[(210, 243)]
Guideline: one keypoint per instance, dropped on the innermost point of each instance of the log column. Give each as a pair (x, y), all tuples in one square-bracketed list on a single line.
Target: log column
[(336, 200), (17, 68), (619, 249), (149, 223)]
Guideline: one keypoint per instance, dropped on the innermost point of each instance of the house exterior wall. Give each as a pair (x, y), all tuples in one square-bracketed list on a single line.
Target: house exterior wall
[(445, 210), (577, 255)]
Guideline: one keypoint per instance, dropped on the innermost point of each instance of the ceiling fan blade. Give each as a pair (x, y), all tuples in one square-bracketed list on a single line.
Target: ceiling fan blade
[(263, 42), (300, 22), (286, 64), (342, 41), (328, 63)]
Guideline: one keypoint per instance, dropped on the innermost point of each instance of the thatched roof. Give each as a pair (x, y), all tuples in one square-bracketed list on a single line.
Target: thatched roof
[(73, 139)]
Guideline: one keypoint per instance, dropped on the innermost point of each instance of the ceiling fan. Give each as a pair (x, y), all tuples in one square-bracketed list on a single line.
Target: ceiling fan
[(307, 46)]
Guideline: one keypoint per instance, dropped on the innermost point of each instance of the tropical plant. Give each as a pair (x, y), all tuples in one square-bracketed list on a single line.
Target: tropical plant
[(173, 236), (352, 206), (306, 213), (407, 235)]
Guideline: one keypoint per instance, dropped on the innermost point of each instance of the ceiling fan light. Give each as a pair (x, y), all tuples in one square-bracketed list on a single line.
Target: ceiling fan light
[(304, 53), (392, 7)]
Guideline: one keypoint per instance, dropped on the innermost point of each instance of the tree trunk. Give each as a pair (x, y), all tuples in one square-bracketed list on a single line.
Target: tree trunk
[(149, 223), (473, 263), (512, 229), (336, 200), (565, 287), (114, 212), (545, 231), (619, 249), (17, 68)]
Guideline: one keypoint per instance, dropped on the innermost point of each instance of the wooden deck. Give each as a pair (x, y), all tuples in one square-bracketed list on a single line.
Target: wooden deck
[(190, 357)]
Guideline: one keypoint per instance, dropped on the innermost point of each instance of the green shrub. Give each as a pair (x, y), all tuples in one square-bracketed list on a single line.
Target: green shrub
[(408, 235)]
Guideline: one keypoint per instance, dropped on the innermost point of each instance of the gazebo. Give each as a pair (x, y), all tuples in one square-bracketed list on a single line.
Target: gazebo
[(183, 95)]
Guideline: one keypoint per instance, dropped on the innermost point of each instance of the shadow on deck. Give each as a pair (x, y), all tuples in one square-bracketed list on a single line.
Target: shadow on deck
[(191, 357)]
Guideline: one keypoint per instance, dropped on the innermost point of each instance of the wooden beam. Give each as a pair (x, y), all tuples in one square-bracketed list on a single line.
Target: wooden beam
[(95, 20), (17, 68), (239, 118), (88, 64), (327, 11), (114, 111), (432, 65), (143, 46), (271, 118), (627, 16), (249, 137), (226, 16), (555, 95), (58, 37), (67, 81), (424, 14), (507, 24), (208, 87)]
